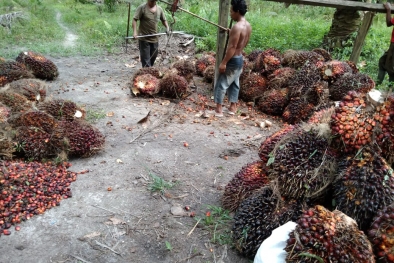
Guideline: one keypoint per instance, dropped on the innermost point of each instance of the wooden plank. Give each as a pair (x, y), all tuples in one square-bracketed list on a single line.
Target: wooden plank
[(224, 11), (379, 8), (361, 35)]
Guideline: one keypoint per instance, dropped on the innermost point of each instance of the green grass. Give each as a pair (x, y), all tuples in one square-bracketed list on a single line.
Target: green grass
[(95, 115), (158, 184)]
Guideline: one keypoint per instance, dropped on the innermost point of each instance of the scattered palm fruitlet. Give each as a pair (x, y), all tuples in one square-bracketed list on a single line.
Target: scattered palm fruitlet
[(83, 139), (62, 109), (4, 113), (172, 85), (353, 122), (203, 62), (253, 87), (385, 138), (11, 71), (146, 84), (268, 61), (28, 189), (209, 74), (41, 67), (364, 185), (185, 69), (268, 145), (322, 116), (250, 178), (332, 70), (258, 216), (148, 70), (34, 143), (324, 53), (297, 58), (281, 78), (381, 234), (274, 101), (16, 102), (325, 236), (350, 81), (303, 164), (254, 54), (33, 89), (297, 110), (38, 119)]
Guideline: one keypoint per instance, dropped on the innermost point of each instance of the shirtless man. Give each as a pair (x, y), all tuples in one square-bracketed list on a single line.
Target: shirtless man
[(231, 66)]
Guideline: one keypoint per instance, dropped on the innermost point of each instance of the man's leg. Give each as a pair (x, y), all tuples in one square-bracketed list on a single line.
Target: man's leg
[(233, 92), (219, 91), (144, 53), (382, 70), (154, 50)]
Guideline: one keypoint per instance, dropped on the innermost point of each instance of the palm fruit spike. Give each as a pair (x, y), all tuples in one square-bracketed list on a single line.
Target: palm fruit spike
[(82, 139), (145, 84), (381, 234), (253, 87), (172, 85), (350, 81), (38, 119), (385, 138), (12, 70), (148, 70), (253, 55), (249, 179), (332, 70), (185, 69), (268, 145), (203, 62), (33, 89), (325, 236), (364, 186), (297, 58), (268, 61), (281, 78), (297, 110), (273, 102), (322, 116), (4, 113), (304, 80), (209, 74), (61, 109), (41, 67), (257, 216), (353, 123), (353, 66), (303, 164), (324, 53), (16, 102)]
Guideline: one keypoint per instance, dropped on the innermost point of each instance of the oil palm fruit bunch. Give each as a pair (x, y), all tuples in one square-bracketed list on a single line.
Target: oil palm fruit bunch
[(6, 142), (353, 122), (34, 143), (297, 110), (2, 59), (324, 53), (247, 69), (268, 61), (41, 67), (274, 101), (5, 113), (381, 234), (33, 89), (333, 69), (253, 87), (185, 69), (298, 58), (258, 216), (62, 109), (145, 84), (16, 102), (304, 81), (82, 139), (31, 188), (303, 164), (350, 81), (325, 236), (173, 85), (250, 178), (154, 71), (11, 71), (203, 62), (281, 78), (209, 74), (322, 116), (268, 145), (365, 185), (385, 138), (252, 56), (38, 119)]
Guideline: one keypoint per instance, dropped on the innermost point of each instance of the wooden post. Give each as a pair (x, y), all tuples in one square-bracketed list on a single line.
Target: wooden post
[(361, 35), (224, 11)]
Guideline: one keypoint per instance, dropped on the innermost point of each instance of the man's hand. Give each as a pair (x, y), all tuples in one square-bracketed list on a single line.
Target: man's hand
[(222, 68), (168, 31), (135, 35), (387, 6)]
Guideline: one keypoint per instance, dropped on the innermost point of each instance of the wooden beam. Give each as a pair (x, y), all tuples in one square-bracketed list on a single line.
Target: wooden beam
[(224, 11), (378, 8), (361, 35)]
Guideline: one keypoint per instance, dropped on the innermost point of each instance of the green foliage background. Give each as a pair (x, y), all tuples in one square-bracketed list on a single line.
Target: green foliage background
[(101, 28)]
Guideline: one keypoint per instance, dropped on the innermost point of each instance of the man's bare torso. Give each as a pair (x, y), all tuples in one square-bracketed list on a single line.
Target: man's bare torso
[(245, 31)]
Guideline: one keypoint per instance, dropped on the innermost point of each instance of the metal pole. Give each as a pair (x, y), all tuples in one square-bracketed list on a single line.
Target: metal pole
[(128, 27)]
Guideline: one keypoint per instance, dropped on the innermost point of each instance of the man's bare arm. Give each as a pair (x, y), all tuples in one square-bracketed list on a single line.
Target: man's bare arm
[(134, 25), (235, 34)]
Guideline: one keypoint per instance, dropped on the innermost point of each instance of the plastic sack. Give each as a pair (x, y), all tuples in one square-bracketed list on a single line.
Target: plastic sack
[(272, 249)]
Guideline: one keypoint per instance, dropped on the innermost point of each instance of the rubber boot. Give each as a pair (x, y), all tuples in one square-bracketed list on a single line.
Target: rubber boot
[(381, 75)]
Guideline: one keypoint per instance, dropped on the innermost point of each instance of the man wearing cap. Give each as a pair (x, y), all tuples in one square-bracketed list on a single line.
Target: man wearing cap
[(149, 15)]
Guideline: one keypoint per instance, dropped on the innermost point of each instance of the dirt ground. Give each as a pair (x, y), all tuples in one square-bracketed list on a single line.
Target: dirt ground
[(130, 223)]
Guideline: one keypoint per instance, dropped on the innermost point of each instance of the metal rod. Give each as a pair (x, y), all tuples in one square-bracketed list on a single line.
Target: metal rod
[(158, 34), (128, 27), (184, 10)]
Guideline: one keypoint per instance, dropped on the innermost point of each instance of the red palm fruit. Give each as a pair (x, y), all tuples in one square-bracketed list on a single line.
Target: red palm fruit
[(253, 87), (146, 84), (268, 145), (203, 62), (11, 71), (41, 67), (273, 102)]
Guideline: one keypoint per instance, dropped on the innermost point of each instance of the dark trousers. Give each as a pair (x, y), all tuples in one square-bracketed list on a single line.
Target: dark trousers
[(386, 64), (148, 53)]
